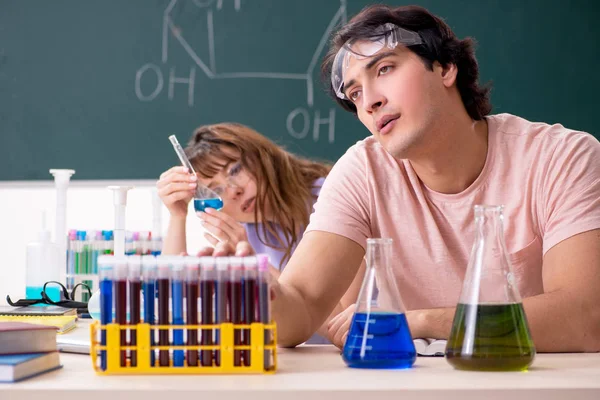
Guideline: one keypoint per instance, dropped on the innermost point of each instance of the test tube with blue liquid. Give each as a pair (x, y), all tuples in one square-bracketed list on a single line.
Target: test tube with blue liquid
[(149, 292), (204, 196), (379, 336), (177, 278), (105, 275)]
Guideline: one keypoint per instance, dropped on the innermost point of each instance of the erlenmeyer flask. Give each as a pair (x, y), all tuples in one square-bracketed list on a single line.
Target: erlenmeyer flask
[(490, 331), (379, 336), (204, 196)]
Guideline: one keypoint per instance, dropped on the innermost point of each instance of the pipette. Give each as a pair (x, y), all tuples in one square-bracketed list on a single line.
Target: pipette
[(204, 197)]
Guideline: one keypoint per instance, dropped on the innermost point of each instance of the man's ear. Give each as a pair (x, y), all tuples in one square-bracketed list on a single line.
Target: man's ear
[(448, 74)]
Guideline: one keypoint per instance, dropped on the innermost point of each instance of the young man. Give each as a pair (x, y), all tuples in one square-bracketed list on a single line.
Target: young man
[(434, 154)]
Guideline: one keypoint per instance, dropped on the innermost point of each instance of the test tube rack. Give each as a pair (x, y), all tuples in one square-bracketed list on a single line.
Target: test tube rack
[(258, 350)]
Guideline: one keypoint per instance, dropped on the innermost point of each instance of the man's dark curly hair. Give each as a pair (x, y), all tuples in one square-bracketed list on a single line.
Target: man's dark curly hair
[(439, 44)]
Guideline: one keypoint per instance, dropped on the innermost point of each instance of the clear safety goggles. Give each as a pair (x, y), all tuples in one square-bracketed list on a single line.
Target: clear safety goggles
[(385, 36), (237, 177)]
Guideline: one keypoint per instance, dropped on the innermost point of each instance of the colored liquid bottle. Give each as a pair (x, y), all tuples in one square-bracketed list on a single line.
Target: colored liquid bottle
[(490, 330), (379, 335)]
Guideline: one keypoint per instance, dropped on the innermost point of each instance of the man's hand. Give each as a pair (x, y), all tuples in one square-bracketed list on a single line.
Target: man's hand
[(338, 326)]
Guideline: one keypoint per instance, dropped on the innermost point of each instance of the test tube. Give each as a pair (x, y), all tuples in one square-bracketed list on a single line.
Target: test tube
[(96, 251), (145, 242), (264, 303), (207, 313), (129, 249), (192, 291), (156, 245), (111, 242), (236, 273), (83, 252), (136, 245), (249, 290), (89, 239), (106, 275), (78, 254), (135, 288), (120, 289), (163, 276), (71, 259), (108, 242), (222, 290), (177, 277), (149, 289), (89, 251)]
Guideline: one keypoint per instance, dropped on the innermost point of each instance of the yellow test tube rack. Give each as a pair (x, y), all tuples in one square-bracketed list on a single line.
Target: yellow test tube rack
[(143, 348)]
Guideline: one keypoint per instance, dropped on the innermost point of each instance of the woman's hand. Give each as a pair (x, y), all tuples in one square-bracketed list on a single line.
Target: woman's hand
[(176, 187), (222, 228), (241, 249), (224, 249)]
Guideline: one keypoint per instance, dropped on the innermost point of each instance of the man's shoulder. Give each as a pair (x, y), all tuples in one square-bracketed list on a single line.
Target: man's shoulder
[(513, 125), (539, 137)]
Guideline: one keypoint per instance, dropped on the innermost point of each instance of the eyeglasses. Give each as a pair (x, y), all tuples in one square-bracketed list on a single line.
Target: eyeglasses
[(237, 177), (68, 302)]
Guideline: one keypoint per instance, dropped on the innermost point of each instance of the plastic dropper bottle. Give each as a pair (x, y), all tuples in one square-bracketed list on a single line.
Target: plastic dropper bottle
[(42, 265)]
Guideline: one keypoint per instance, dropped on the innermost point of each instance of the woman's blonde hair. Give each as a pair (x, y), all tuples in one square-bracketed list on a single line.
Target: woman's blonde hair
[(284, 181)]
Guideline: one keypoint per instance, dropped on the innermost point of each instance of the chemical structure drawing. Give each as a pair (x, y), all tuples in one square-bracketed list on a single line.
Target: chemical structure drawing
[(204, 61)]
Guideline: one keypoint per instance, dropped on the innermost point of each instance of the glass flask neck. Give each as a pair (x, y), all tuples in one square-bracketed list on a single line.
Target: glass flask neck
[(489, 222), (379, 253), (379, 291), (489, 277)]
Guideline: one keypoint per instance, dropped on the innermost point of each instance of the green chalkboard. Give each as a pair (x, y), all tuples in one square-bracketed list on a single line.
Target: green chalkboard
[(97, 86)]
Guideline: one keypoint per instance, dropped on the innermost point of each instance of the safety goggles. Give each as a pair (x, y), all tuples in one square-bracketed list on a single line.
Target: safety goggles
[(237, 177), (386, 36)]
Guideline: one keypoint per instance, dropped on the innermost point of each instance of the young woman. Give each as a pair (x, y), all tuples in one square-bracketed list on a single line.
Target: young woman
[(268, 193)]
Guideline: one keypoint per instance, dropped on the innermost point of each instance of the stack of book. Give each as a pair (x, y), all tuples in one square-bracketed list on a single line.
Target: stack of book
[(63, 319), (26, 350)]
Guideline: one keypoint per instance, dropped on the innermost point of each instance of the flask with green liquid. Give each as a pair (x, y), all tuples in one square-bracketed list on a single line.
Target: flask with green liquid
[(490, 330)]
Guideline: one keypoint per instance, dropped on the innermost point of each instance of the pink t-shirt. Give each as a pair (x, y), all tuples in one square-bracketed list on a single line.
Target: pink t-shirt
[(546, 176)]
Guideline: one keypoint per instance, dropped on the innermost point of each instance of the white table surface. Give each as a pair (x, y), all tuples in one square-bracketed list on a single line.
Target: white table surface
[(318, 372)]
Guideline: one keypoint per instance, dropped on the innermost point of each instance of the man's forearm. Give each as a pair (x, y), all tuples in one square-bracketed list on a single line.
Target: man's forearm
[(559, 322), (294, 324), (563, 322)]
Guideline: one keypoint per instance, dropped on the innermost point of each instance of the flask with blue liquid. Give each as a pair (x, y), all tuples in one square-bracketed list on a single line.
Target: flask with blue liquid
[(379, 335)]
